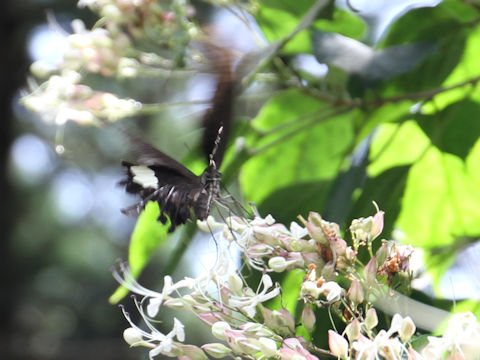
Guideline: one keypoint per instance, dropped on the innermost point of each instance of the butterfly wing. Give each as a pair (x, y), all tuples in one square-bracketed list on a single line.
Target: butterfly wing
[(221, 111), (161, 178), (158, 177), (146, 154)]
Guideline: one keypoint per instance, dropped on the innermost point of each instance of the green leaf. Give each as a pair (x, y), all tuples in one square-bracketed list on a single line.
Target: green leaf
[(287, 203), (466, 69), (390, 112), (277, 19), (311, 148), (344, 23), (146, 237), (276, 24), (396, 145), (461, 10), (455, 129), (291, 284), (433, 24), (439, 206), (441, 199)]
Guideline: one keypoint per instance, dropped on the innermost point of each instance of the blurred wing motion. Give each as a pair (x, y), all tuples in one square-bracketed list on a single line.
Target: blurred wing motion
[(178, 191)]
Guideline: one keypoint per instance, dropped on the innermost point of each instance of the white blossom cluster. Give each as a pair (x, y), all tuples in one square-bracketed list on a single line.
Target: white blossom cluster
[(246, 328), (66, 91)]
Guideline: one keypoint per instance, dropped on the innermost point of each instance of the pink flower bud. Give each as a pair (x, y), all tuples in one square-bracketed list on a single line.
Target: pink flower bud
[(370, 272), (284, 321), (377, 225), (209, 318), (314, 227), (355, 292), (192, 352), (338, 344), (308, 318)]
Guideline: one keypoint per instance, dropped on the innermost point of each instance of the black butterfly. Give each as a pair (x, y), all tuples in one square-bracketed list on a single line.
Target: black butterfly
[(177, 190)]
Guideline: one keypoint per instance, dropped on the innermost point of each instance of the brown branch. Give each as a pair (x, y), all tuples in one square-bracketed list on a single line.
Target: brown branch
[(356, 102)]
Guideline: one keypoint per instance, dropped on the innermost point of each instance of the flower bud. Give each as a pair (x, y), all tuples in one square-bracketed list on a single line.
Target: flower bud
[(132, 336), (407, 329), (174, 303), (192, 352), (219, 329), (328, 272), (396, 323), (112, 12), (370, 271), (259, 250), (235, 282), (268, 347), (209, 318), (278, 264), (41, 68), (308, 318), (350, 254), (248, 346), (355, 292), (188, 299), (371, 319), (217, 350), (314, 227), (337, 344), (353, 330), (377, 225), (284, 320)]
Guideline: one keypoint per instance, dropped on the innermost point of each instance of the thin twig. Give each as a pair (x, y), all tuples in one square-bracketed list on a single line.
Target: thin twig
[(421, 95), (298, 129)]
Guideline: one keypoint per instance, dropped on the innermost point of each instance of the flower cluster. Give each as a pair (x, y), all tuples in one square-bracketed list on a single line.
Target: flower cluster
[(334, 278), (64, 98), (460, 340), (111, 50), (364, 343)]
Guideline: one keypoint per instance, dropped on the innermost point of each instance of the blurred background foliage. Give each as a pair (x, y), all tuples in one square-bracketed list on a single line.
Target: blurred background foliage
[(379, 102)]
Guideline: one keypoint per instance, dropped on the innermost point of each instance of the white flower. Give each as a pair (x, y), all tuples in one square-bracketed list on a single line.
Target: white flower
[(155, 299), (382, 346), (62, 98), (461, 339), (159, 342), (248, 302), (332, 291)]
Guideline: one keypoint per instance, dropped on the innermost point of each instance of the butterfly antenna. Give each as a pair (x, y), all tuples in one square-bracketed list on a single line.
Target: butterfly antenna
[(215, 146)]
